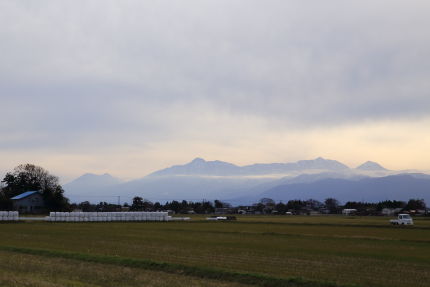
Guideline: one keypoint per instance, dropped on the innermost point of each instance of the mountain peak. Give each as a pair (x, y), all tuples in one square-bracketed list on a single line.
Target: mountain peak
[(370, 165), (93, 180), (93, 175), (198, 160), (320, 163), (200, 167)]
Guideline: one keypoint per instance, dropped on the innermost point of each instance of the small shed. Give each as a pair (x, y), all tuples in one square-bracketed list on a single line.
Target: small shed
[(390, 211), (349, 211), (29, 202)]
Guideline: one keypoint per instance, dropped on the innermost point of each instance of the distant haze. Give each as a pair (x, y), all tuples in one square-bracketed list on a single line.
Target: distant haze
[(131, 87), (208, 180)]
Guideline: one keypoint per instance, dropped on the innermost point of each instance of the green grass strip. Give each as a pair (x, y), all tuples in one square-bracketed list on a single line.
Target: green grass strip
[(195, 271)]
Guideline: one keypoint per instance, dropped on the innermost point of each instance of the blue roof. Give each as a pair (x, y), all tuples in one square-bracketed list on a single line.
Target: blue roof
[(23, 195)]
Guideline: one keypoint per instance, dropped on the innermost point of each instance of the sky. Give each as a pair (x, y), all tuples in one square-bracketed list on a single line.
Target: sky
[(130, 87)]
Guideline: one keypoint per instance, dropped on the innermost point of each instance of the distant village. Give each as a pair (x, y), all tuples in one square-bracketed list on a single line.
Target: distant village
[(268, 206), (32, 202)]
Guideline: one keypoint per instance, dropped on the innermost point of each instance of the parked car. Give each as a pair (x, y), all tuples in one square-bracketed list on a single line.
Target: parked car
[(217, 218), (402, 219)]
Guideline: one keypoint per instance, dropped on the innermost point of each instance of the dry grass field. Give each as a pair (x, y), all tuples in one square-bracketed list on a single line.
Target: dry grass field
[(254, 250)]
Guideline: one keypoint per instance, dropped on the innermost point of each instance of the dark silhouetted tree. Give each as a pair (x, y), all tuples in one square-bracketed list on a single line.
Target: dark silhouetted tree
[(390, 204), (415, 204), (29, 177), (218, 204), (138, 204), (332, 205), (296, 205)]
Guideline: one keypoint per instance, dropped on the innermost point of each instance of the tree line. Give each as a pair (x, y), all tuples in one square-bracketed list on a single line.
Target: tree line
[(264, 206), (140, 204), (333, 206)]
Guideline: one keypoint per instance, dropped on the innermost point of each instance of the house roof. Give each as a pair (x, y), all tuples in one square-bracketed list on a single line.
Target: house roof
[(23, 195)]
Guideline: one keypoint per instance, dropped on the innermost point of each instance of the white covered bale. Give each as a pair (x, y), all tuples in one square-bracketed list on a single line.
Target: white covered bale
[(137, 216)]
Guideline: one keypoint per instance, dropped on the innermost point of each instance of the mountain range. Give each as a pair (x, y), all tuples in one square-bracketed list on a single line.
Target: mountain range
[(220, 168), (208, 180)]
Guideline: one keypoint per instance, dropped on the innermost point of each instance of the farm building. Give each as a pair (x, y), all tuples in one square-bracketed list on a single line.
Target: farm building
[(390, 211), (349, 211), (29, 202)]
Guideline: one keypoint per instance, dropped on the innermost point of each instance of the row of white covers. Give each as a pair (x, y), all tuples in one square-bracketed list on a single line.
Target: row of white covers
[(9, 215), (107, 216)]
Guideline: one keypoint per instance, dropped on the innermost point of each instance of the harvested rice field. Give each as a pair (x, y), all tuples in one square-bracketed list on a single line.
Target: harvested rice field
[(252, 251)]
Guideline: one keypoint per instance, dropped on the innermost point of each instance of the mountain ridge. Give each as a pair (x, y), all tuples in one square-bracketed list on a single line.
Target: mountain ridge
[(371, 189), (199, 166)]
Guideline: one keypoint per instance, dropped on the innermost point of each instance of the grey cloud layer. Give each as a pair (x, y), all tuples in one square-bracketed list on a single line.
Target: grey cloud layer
[(122, 68)]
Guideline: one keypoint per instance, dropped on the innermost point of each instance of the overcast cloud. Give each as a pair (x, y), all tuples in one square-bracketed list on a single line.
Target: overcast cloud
[(81, 77)]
